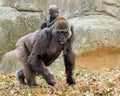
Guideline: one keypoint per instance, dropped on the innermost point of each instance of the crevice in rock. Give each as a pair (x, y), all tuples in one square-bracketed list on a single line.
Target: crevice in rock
[(105, 13), (23, 10), (111, 4)]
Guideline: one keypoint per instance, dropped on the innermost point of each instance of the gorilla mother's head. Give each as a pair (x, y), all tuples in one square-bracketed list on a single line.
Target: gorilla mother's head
[(61, 29)]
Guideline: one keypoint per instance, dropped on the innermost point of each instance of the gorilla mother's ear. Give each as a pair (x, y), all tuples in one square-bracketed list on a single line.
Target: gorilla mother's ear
[(72, 37)]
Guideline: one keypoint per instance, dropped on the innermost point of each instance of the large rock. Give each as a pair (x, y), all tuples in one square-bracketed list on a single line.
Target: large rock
[(25, 5), (70, 8), (10, 62), (14, 24), (30, 5), (108, 7), (9, 3), (95, 32), (88, 7), (97, 42)]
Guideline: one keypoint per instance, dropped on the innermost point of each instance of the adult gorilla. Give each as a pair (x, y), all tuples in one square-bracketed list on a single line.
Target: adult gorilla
[(39, 49)]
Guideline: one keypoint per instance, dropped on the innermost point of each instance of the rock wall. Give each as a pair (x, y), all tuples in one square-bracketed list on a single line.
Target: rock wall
[(108, 7), (17, 19), (96, 22), (98, 41), (14, 24)]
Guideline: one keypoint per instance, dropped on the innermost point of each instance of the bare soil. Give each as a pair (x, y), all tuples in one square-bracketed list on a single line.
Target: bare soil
[(102, 58)]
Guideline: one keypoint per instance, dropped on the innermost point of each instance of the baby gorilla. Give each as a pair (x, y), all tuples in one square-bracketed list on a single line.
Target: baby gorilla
[(53, 13), (39, 49)]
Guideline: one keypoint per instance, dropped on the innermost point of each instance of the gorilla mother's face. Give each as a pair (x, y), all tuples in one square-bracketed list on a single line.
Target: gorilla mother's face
[(62, 35), (62, 30)]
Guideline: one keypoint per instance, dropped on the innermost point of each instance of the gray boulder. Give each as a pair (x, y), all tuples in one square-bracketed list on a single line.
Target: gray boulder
[(10, 62), (98, 42), (97, 38), (31, 5), (14, 24), (95, 32), (108, 7)]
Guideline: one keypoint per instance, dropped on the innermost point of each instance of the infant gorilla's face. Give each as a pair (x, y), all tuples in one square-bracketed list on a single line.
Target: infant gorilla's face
[(54, 13)]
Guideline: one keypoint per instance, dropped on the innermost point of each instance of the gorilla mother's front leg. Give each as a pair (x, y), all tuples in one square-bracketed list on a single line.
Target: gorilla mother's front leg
[(40, 68)]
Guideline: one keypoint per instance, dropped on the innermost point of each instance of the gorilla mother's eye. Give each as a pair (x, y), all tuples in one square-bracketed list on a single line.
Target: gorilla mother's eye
[(62, 32), (65, 32)]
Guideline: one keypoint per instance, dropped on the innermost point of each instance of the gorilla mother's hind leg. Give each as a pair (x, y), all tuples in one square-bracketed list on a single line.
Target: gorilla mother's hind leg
[(20, 76), (26, 72), (29, 76)]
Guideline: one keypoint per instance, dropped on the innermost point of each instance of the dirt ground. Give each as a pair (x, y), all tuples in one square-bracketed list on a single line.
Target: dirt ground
[(103, 58)]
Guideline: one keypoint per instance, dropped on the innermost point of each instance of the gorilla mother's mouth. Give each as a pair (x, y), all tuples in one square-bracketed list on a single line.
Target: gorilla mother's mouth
[(61, 43)]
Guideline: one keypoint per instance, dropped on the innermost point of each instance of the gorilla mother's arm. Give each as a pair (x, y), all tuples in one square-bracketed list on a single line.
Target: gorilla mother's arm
[(69, 59), (38, 48), (35, 58)]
